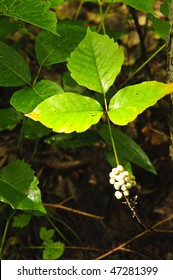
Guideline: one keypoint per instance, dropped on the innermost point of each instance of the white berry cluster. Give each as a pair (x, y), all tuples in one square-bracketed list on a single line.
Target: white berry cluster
[(122, 181)]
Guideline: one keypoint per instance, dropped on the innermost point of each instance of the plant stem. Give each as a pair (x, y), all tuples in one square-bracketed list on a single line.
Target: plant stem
[(38, 73), (113, 143), (169, 42), (56, 229), (78, 10), (142, 66), (110, 131), (5, 233), (104, 16), (102, 24)]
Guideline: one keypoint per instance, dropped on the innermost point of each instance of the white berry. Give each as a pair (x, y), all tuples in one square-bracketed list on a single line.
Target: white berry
[(126, 173), (122, 181), (126, 193), (115, 171), (119, 177), (117, 185), (123, 188), (118, 194), (112, 181), (132, 177), (128, 185), (111, 174), (126, 179), (120, 168)]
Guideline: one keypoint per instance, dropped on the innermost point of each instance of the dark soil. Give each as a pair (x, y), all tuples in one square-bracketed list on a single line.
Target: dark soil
[(79, 179)]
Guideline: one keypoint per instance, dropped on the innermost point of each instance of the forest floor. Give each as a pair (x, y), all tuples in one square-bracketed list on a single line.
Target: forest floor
[(75, 183)]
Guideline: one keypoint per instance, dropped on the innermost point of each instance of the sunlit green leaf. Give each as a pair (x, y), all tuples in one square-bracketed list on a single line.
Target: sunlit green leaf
[(130, 101), (96, 62), (67, 112)]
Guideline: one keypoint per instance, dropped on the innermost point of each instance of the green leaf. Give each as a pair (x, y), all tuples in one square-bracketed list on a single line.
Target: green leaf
[(124, 162), (21, 220), (96, 62), (34, 12), (70, 85), (130, 101), (164, 8), (25, 100), (73, 140), (53, 251), (55, 3), (7, 27), (67, 112), (9, 118), (13, 69), (46, 234), (34, 130), (127, 148), (144, 6), (5, 4), (51, 49), (161, 27), (18, 187)]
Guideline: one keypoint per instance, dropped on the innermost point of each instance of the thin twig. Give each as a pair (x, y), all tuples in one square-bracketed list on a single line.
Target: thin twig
[(132, 206), (73, 210), (134, 238), (142, 66)]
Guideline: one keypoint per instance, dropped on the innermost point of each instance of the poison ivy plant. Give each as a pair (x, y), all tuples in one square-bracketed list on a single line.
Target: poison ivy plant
[(94, 61), (130, 101), (67, 112), (63, 110), (70, 112)]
